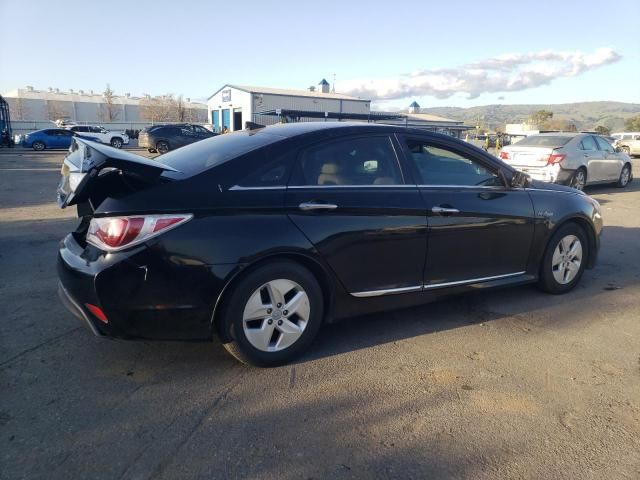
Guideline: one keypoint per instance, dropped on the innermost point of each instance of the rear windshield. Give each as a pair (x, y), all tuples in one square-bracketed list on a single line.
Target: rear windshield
[(543, 141), (199, 156)]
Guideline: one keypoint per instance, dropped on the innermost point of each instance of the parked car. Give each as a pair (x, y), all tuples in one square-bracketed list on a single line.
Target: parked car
[(115, 139), (162, 138), (50, 138), (629, 143), (575, 159), (261, 236), (624, 135)]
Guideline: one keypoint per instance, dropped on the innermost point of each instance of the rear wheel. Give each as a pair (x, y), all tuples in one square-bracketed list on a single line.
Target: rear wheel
[(579, 179), (272, 315), (625, 176), (116, 142), (564, 260), (37, 146), (162, 147)]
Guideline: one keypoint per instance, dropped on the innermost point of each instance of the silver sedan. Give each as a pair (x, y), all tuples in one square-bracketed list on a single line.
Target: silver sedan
[(575, 159)]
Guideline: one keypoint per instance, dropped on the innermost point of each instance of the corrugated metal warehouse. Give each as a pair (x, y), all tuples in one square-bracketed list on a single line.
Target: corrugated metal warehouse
[(233, 105), (82, 106)]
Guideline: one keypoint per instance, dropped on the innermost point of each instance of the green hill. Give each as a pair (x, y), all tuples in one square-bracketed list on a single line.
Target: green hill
[(585, 115)]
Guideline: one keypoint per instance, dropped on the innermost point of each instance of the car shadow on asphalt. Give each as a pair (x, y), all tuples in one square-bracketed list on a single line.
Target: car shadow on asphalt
[(617, 269)]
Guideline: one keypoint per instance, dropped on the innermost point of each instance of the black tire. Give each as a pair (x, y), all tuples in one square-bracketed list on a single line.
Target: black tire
[(116, 142), (625, 176), (547, 281), (38, 146), (579, 179), (626, 150), (230, 324), (162, 147)]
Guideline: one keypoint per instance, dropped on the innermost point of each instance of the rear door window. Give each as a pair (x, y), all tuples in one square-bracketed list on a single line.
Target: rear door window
[(588, 143), (349, 162)]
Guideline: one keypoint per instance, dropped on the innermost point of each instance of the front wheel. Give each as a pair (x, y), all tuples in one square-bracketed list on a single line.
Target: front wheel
[(162, 147), (116, 142), (272, 315), (564, 260), (625, 176)]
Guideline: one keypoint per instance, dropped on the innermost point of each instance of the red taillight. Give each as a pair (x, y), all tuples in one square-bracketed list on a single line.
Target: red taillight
[(115, 233), (118, 231), (97, 312), (555, 158), (505, 155)]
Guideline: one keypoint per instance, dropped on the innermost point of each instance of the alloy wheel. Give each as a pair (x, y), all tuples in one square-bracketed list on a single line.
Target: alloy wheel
[(567, 259), (162, 147), (116, 143), (276, 315), (579, 180), (624, 176)]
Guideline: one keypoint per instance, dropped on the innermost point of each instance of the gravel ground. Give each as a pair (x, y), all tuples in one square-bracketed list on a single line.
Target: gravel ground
[(508, 384)]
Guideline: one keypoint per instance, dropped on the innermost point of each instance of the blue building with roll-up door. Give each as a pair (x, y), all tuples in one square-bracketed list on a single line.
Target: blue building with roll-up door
[(233, 105)]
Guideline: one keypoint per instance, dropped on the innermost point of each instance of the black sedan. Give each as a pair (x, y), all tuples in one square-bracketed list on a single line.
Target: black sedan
[(162, 138), (261, 236)]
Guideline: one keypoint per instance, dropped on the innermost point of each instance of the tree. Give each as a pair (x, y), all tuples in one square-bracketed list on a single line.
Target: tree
[(632, 124), (602, 130), (558, 124), (540, 117), (158, 109), (109, 110), (180, 109)]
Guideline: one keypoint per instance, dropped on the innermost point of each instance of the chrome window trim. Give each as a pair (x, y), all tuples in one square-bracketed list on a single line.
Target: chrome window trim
[(483, 187), (419, 288), (306, 187), (238, 187), (577, 192), (303, 187)]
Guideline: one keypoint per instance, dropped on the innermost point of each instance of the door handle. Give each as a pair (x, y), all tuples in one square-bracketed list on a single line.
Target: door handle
[(444, 210), (308, 206)]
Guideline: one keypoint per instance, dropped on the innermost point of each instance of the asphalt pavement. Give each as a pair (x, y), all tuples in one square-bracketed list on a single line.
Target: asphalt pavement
[(504, 384)]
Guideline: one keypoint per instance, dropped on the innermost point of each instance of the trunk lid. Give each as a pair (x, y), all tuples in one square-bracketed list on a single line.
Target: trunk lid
[(527, 156), (92, 171)]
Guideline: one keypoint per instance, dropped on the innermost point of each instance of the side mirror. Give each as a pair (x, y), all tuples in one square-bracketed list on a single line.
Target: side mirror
[(520, 180)]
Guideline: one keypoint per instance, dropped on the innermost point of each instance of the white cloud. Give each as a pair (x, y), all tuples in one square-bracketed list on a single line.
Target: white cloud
[(504, 73)]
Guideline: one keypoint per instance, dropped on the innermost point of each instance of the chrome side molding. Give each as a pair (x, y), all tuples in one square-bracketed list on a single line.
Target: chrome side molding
[(431, 286)]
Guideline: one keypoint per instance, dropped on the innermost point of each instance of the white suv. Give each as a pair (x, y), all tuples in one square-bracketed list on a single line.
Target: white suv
[(114, 139)]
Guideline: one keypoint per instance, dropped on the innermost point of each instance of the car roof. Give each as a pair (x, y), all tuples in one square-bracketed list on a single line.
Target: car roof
[(558, 134), (288, 130)]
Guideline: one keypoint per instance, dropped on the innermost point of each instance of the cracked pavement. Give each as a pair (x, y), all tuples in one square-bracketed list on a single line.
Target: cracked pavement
[(506, 384)]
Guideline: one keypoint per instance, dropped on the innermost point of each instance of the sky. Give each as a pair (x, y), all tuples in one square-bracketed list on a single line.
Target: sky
[(462, 53)]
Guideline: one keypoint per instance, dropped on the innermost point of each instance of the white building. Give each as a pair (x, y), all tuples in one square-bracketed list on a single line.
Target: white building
[(233, 105), (82, 106)]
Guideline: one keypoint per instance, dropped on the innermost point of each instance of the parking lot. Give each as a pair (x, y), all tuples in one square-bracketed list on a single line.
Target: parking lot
[(503, 384)]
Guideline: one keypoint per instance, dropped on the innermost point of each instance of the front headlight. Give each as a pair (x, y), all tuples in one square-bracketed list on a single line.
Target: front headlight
[(74, 180)]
